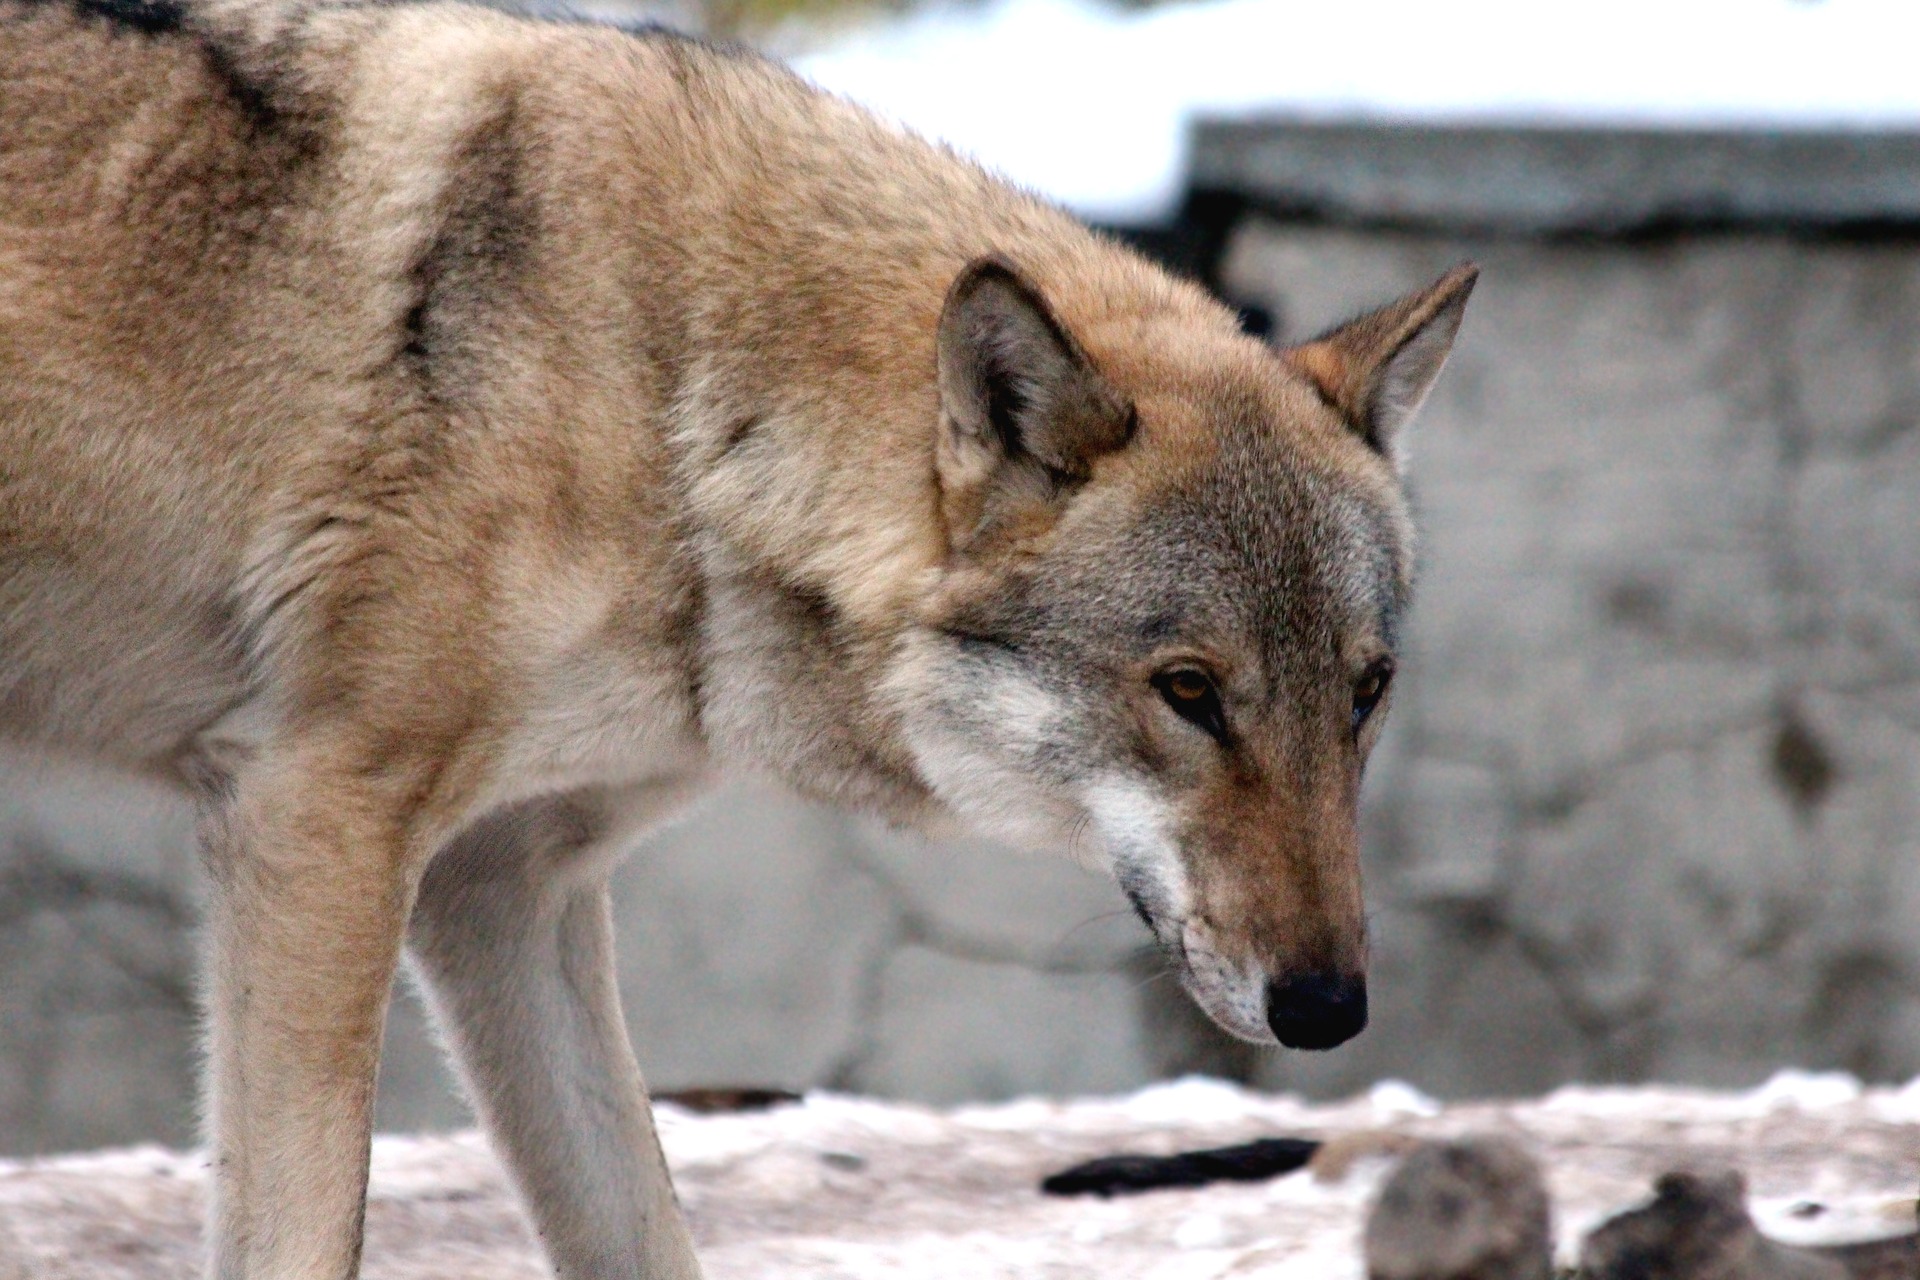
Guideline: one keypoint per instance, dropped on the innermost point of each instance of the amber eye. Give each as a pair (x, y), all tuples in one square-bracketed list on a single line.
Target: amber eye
[(1193, 696), (1188, 686), (1369, 689)]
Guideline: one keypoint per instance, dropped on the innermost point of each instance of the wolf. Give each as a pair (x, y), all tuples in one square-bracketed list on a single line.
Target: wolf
[(442, 443)]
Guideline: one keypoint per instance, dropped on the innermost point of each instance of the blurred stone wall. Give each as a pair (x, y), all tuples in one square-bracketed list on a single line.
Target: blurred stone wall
[(1652, 807), (1649, 806)]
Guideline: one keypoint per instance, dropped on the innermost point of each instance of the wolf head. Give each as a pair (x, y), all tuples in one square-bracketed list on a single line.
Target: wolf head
[(1167, 628)]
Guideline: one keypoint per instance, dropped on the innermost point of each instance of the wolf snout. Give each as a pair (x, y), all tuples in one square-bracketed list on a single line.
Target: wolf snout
[(1317, 1010)]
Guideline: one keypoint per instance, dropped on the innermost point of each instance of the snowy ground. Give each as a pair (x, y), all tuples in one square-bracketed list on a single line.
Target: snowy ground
[(849, 1189), (1090, 103)]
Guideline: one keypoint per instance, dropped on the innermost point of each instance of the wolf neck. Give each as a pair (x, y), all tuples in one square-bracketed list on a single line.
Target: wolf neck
[(804, 411), (750, 276)]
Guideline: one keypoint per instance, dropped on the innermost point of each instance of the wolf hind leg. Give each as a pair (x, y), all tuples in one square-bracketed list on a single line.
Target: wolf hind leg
[(512, 937)]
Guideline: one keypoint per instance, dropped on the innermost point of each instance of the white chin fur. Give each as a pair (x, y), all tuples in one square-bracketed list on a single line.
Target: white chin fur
[(1137, 829), (1139, 832), (1230, 1019), (1231, 996)]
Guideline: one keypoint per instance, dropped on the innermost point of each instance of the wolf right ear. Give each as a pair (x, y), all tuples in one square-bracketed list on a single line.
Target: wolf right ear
[(1376, 370), (1024, 412)]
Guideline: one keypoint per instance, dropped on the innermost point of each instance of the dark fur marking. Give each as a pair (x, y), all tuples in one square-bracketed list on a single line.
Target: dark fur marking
[(254, 100), (145, 17), (1139, 904), (1160, 628), (1129, 1174), (154, 18), (804, 605), (814, 605), (148, 17), (415, 328), (739, 432), (466, 272)]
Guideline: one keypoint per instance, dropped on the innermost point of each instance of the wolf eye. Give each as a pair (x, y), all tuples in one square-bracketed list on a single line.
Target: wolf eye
[(1188, 686), (1192, 695), (1369, 689)]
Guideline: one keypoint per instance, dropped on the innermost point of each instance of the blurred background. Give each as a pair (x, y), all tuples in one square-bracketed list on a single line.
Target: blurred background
[(1649, 803)]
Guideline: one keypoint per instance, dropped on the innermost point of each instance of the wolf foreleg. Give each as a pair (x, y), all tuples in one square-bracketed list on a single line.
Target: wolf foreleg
[(310, 901)]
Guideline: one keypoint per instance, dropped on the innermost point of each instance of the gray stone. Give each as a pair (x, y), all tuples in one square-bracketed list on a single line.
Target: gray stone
[(945, 1029), (744, 939), (1665, 648), (992, 903), (1537, 179), (97, 903), (1456, 853)]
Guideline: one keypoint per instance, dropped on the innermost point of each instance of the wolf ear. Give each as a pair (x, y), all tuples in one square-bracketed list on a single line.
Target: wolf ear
[(1377, 369), (1024, 412)]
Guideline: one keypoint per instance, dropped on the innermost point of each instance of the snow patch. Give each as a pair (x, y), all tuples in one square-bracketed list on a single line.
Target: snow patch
[(1396, 1098), (1902, 1107), (1089, 104), (869, 1190), (1803, 1091)]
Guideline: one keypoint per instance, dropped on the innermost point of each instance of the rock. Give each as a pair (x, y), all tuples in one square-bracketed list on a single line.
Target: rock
[(1895, 1259), (1471, 1209), (1697, 1228)]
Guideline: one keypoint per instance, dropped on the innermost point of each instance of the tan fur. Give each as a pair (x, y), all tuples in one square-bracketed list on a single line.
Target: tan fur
[(1338, 1155), (443, 442)]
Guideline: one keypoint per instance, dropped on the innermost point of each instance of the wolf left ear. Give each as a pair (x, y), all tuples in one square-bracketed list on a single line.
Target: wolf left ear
[(1024, 411), (1377, 370)]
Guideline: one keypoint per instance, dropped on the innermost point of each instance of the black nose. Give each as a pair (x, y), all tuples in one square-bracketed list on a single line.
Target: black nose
[(1317, 1011)]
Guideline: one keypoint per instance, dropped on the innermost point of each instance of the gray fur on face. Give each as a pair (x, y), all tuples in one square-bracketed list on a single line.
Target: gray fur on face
[(1276, 565)]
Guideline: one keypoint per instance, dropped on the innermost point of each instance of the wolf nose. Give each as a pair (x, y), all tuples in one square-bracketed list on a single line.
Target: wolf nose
[(1317, 1011)]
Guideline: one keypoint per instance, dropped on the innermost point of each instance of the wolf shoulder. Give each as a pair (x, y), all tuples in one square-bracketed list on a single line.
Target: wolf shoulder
[(234, 278)]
